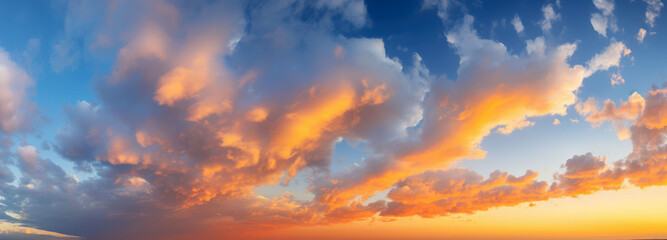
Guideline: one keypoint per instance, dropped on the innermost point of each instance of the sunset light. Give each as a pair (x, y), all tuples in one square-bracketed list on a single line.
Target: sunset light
[(333, 119)]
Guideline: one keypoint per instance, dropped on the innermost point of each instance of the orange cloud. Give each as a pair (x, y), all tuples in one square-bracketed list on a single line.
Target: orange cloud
[(436, 193)]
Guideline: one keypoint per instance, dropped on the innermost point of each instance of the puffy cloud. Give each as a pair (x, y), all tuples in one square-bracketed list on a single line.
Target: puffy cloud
[(610, 112), (179, 126), (495, 90), (599, 24), (583, 165), (653, 11), (605, 20), (549, 17), (627, 110), (207, 101), (641, 35), (556, 121), (516, 22), (15, 109), (617, 79), (611, 57), (436, 193), (606, 6)]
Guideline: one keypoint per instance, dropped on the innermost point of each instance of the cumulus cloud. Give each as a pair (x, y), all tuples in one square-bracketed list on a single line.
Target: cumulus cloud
[(605, 20), (458, 114), (15, 109), (653, 11), (180, 130), (550, 16), (619, 116), (606, 6), (617, 79), (518, 25), (599, 24), (187, 123), (641, 35), (437, 193), (610, 57)]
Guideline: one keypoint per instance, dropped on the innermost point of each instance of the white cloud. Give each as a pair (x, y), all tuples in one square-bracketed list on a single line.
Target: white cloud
[(606, 20), (611, 57), (606, 6), (653, 11), (549, 16), (516, 22), (599, 23)]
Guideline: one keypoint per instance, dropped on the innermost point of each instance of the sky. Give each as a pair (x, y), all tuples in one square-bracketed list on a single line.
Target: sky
[(333, 119)]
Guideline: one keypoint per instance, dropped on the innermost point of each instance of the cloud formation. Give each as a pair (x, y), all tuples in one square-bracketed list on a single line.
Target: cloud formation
[(610, 57), (550, 16), (207, 101), (641, 35), (605, 20), (437, 193), (653, 8), (15, 109), (518, 25)]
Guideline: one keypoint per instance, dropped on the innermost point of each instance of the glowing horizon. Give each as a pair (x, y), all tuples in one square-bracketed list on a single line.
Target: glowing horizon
[(350, 119)]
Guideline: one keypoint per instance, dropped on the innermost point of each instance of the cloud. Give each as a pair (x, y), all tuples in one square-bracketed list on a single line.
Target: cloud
[(611, 57), (617, 79), (556, 121), (627, 110), (641, 35), (188, 124), (495, 90), (549, 17), (599, 24), (438, 193), (606, 6), (15, 108), (516, 22), (619, 116), (605, 20), (167, 146), (440, 5), (653, 11)]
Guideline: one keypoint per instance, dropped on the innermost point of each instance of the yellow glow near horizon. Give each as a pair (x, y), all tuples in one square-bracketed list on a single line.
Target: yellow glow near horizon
[(630, 212), (10, 228)]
